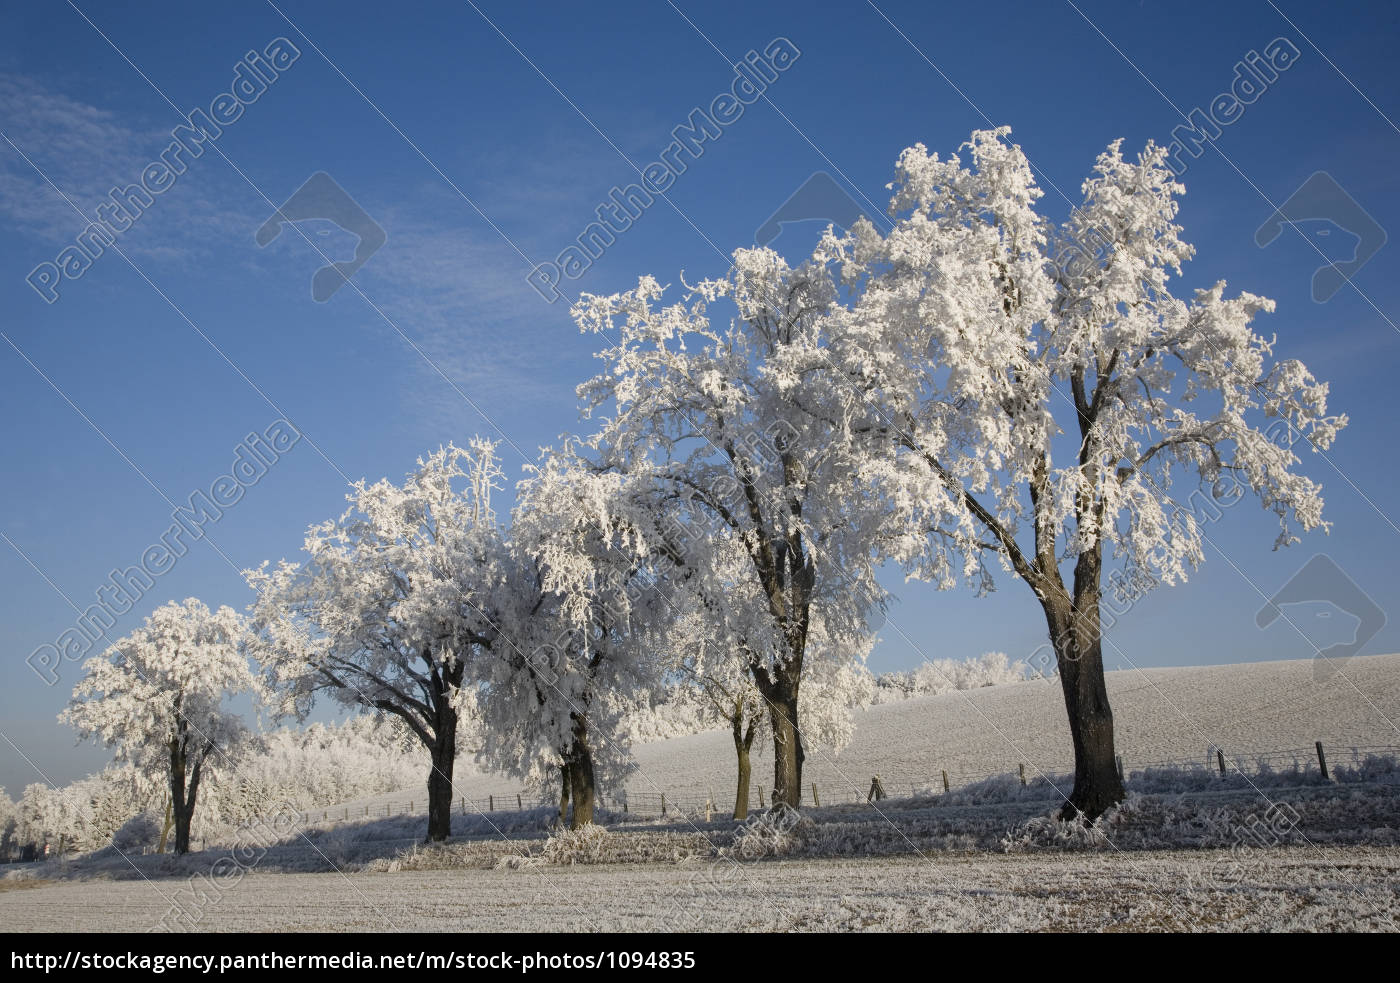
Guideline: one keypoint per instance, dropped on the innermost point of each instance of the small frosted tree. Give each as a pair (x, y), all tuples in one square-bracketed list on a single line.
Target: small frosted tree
[(554, 702), (712, 671), (1051, 405), (160, 697), (735, 427), (399, 595), (9, 821), (716, 630)]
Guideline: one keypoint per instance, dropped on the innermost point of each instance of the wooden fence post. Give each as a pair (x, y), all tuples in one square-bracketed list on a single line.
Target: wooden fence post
[(663, 803), (816, 798), (1023, 773), (490, 803), (1322, 762), (518, 804), (1220, 758), (945, 779), (760, 798)]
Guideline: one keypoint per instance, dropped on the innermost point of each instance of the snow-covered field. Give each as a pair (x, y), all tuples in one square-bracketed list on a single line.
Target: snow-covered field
[(1325, 890), (1277, 849)]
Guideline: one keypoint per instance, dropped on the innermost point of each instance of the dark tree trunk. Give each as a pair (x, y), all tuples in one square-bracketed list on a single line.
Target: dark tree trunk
[(788, 754), (742, 743), (1076, 635), (177, 793), (182, 795), (441, 738), (182, 831), (581, 774), (440, 788)]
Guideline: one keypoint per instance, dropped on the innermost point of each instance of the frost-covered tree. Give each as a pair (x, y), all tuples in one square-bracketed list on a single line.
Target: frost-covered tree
[(161, 698), (554, 701), (709, 649), (397, 597), (1052, 417), (733, 427)]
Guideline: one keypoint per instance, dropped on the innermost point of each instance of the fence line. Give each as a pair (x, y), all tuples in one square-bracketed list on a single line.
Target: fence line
[(646, 804)]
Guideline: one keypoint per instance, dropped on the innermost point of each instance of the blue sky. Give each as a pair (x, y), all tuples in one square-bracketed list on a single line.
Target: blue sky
[(482, 140)]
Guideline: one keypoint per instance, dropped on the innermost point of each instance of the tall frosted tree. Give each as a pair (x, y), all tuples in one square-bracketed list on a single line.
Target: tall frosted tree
[(397, 597), (160, 697), (1051, 404)]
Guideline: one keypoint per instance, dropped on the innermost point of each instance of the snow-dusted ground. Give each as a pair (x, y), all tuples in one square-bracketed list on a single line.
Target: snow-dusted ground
[(1323, 890)]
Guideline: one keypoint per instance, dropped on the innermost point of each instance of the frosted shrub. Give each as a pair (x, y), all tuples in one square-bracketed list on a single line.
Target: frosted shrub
[(776, 833), (588, 844), (1052, 833), (1383, 768)]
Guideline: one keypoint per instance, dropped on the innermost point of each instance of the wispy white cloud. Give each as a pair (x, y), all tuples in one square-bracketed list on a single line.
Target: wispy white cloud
[(85, 151)]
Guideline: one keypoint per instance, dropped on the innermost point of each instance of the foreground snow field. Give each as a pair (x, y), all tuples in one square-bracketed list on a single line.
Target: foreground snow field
[(1329, 889)]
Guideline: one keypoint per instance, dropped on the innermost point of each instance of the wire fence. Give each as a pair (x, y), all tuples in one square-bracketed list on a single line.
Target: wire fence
[(653, 803)]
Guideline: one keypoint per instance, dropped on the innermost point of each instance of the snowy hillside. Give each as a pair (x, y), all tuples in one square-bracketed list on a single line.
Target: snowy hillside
[(1252, 711)]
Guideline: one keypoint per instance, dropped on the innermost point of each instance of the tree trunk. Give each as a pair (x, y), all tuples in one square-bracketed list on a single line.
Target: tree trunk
[(564, 794), (182, 830), (443, 749), (742, 743), (440, 789), (581, 774), (180, 808), (787, 745), (1075, 634)]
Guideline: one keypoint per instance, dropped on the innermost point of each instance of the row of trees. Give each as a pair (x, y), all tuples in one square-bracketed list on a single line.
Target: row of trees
[(973, 393)]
